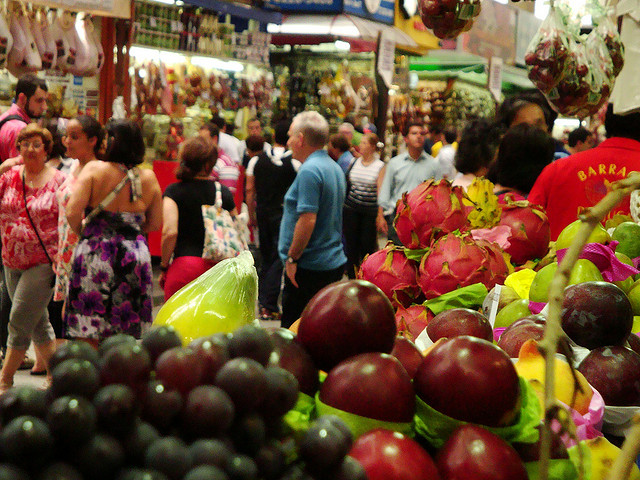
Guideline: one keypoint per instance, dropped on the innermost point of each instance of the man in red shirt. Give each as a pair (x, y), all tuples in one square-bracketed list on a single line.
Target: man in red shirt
[(569, 185)]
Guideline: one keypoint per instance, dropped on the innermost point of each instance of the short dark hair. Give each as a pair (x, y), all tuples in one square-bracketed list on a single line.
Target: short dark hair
[(92, 128), (57, 149), (212, 128), (255, 143), (626, 126), (450, 134), (126, 144), (478, 145), (195, 154), (524, 151), (511, 106), (580, 134), (218, 121), (28, 84), (281, 132), (339, 141), (412, 123)]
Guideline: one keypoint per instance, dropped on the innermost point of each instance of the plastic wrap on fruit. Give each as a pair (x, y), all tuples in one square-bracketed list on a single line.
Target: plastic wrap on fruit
[(572, 93), (449, 18), (547, 52), (607, 31), (218, 301)]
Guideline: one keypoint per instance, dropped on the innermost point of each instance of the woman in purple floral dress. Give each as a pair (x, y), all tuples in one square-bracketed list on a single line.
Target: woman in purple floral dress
[(110, 284)]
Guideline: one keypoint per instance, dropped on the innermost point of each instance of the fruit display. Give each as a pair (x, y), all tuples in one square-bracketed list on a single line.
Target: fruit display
[(448, 18)]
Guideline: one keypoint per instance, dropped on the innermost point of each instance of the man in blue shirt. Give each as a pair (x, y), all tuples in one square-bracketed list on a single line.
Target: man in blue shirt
[(310, 242), (404, 173)]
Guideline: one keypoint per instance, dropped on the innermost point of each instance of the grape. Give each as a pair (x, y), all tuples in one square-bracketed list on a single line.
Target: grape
[(74, 349), (271, 461), (241, 467), (180, 369), (114, 341), (170, 456), (206, 472), (252, 342), (128, 364), (117, 409), (289, 354), (22, 400), (244, 380), (11, 472), (337, 422), (136, 444), (213, 353), (100, 458), (27, 442), (323, 447), (281, 392), (74, 377), (159, 339), (60, 471), (248, 433), (212, 451), (161, 405), (296, 472), (208, 411), (141, 474), (349, 469), (71, 420)]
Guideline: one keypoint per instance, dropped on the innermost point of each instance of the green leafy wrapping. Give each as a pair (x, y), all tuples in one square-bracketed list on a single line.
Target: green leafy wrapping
[(471, 296), (436, 427), (360, 425), (299, 418), (559, 469)]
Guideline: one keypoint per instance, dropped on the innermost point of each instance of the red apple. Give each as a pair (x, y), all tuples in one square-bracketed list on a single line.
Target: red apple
[(409, 355), (512, 338), (470, 379), (457, 322), (615, 373), (475, 453), (289, 354), (387, 455), (372, 385), (345, 319), (596, 314)]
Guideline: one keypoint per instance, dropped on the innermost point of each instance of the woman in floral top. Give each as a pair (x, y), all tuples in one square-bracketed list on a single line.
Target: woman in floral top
[(29, 230)]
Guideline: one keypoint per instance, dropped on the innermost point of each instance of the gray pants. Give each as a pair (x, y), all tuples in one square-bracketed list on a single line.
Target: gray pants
[(30, 291)]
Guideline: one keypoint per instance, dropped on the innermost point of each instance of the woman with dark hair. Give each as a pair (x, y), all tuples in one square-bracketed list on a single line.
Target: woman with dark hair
[(524, 151), (112, 206), (476, 151), (182, 223)]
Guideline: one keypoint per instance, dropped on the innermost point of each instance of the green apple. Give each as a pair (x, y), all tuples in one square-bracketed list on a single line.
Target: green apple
[(636, 324), (634, 298), (514, 311), (599, 235), (583, 271), (628, 234)]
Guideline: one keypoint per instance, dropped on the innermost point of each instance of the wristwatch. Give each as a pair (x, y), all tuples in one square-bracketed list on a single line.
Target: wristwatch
[(292, 260)]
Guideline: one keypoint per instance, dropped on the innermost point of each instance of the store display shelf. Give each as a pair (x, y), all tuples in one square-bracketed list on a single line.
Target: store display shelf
[(150, 52)]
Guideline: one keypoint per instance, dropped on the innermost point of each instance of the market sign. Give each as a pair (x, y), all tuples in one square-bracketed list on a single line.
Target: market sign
[(386, 56), (378, 10), (308, 6)]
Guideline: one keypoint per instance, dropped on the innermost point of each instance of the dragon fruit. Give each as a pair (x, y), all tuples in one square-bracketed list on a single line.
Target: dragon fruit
[(499, 264), (411, 321), (529, 230), (456, 261), (429, 211), (391, 271)]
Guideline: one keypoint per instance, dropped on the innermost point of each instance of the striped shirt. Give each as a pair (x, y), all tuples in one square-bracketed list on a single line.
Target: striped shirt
[(363, 186)]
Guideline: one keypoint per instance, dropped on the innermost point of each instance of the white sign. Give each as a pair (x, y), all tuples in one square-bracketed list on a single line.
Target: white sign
[(386, 57), (495, 77)]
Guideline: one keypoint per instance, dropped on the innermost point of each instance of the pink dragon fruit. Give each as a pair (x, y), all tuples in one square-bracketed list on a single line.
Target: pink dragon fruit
[(529, 230), (456, 261), (429, 211), (411, 321), (391, 271), (498, 264)]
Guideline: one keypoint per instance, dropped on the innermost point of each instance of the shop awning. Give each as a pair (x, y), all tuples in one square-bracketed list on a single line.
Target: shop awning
[(239, 10), (341, 25)]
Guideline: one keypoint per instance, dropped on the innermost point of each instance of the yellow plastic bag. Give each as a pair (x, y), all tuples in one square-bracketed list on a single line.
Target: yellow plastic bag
[(219, 301)]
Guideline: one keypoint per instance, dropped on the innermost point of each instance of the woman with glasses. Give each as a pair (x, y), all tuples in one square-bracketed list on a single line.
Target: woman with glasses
[(29, 231)]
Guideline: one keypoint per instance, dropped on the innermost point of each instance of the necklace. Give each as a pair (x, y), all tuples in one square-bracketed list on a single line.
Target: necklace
[(35, 178)]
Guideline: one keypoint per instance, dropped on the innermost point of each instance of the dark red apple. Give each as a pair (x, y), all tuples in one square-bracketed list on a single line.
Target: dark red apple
[(373, 385), (457, 322), (633, 342), (596, 314), (470, 379), (512, 338), (475, 453), (388, 455), (409, 355), (345, 319), (615, 373), (287, 353)]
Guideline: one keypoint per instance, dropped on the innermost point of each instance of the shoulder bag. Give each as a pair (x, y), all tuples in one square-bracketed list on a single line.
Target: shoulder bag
[(224, 234)]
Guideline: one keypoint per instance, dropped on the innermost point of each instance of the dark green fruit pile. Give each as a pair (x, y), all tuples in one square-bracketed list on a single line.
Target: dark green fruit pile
[(156, 410)]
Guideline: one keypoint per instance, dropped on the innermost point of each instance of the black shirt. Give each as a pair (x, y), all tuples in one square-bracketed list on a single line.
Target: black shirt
[(272, 181), (190, 195)]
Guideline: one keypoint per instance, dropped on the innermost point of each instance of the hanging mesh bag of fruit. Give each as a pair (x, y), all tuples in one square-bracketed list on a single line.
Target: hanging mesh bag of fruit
[(449, 18), (606, 30), (601, 69), (548, 51)]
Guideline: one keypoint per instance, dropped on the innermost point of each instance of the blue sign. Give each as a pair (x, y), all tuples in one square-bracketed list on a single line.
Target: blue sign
[(306, 6), (377, 10)]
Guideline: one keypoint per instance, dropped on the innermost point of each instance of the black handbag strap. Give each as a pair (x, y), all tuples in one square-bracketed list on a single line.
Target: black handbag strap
[(33, 225)]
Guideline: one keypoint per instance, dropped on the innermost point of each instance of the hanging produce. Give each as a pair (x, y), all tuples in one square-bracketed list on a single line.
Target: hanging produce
[(449, 18)]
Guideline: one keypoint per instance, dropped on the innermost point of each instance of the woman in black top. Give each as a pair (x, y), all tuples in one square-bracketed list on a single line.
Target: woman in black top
[(182, 224)]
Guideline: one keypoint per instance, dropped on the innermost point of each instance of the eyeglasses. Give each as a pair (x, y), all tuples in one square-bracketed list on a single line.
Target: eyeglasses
[(27, 145)]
